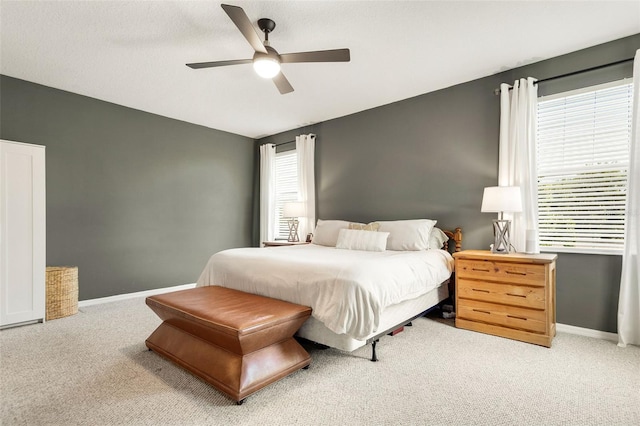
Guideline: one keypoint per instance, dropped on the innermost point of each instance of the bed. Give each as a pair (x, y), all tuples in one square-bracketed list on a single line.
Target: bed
[(360, 287)]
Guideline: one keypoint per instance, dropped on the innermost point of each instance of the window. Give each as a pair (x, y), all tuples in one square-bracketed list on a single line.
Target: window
[(286, 188), (583, 142)]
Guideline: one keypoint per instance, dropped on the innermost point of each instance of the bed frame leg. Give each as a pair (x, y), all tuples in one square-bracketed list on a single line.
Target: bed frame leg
[(374, 358)]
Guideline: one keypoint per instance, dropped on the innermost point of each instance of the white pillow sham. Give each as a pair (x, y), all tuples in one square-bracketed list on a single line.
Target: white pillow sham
[(358, 239), (326, 232), (371, 226), (437, 238), (407, 234)]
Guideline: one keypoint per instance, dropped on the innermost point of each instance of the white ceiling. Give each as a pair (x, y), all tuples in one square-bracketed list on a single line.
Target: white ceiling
[(133, 53)]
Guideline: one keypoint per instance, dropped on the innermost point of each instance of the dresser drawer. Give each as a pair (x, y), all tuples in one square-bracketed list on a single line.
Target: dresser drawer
[(513, 273), (507, 316), (515, 295)]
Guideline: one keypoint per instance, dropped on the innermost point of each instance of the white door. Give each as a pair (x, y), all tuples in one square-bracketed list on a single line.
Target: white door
[(22, 233)]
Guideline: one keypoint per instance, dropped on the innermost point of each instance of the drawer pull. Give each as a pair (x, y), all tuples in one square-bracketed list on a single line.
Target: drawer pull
[(516, 273), (480, 290), (516, 295), (515, 317), (484, 312), (479, 270)]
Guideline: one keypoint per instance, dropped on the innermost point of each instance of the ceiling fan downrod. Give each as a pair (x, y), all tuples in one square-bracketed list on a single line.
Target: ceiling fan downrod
[(266, 25)]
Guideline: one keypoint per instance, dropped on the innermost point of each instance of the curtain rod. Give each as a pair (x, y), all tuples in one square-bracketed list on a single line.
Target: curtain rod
[(293, 141), (569, 74)]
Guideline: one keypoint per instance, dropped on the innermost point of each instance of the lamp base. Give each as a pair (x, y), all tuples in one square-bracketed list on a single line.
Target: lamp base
[(501, 231), (293, 231)]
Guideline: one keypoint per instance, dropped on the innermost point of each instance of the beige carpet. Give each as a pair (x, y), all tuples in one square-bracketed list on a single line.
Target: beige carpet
[(93, 369)]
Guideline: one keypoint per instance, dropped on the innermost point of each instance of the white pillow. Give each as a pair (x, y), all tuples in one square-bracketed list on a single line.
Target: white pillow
[(357, 239), (407, 234), (437, 238), (326, 232)]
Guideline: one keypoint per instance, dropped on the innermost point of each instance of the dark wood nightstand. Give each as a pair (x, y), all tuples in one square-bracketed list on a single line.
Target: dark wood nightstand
[(282, 243), (508, 295)]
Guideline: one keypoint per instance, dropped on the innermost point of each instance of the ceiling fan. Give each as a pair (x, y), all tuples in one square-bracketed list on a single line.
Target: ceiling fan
[(266, 60)]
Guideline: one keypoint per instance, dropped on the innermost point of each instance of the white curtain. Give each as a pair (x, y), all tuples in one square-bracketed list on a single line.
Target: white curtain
[(629, 300), (267, 192), (305, 147), (517, 162)]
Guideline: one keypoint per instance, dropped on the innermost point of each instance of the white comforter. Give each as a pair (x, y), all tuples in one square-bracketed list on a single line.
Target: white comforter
[(347, 289)]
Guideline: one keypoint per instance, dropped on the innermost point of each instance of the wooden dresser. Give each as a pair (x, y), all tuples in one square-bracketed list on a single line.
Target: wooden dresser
[(509, 295)]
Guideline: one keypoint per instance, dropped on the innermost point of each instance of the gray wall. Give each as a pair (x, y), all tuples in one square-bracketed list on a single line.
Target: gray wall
[(135, 200), (404, 160), (432, 155)]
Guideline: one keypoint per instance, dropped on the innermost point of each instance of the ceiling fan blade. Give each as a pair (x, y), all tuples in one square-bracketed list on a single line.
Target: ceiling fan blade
[(336, 55), (198, 65), (282, 84), (240, 18)]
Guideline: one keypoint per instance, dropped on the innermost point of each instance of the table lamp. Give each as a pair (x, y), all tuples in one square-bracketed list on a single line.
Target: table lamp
[(293, 211), (500, 199)]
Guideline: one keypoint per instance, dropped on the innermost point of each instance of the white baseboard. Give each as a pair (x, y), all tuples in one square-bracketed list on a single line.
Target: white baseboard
[(597, 334), (146, 293)]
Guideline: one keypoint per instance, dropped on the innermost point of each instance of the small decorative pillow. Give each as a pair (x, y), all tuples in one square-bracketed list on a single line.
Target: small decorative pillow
[(408, 234), (357, 239), (371, 226), (326, 232), (437, 238)]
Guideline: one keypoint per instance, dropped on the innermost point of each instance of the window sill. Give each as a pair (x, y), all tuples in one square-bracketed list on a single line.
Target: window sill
[(602, 252)]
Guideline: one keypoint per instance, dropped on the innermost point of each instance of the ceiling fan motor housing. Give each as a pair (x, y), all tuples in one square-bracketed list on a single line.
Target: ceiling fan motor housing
[(271, 54)]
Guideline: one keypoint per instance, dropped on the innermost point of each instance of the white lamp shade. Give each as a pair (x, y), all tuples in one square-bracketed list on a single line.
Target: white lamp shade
[(293, 209), (498, 199)]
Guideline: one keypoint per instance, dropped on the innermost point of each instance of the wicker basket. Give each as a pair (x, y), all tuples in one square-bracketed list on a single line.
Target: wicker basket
[(62, 291)]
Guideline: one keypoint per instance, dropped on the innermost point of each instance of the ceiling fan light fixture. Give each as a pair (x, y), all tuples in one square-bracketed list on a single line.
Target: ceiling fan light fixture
[(266, 67)]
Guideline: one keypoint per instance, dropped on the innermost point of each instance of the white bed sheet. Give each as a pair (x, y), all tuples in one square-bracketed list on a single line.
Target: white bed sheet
[(347, 289)]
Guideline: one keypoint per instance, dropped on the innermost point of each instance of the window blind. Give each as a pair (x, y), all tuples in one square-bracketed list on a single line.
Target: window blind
[(583, 142), (286, 188)]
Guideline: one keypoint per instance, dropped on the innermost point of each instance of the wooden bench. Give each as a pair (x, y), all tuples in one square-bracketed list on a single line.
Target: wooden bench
[(238, 342)]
